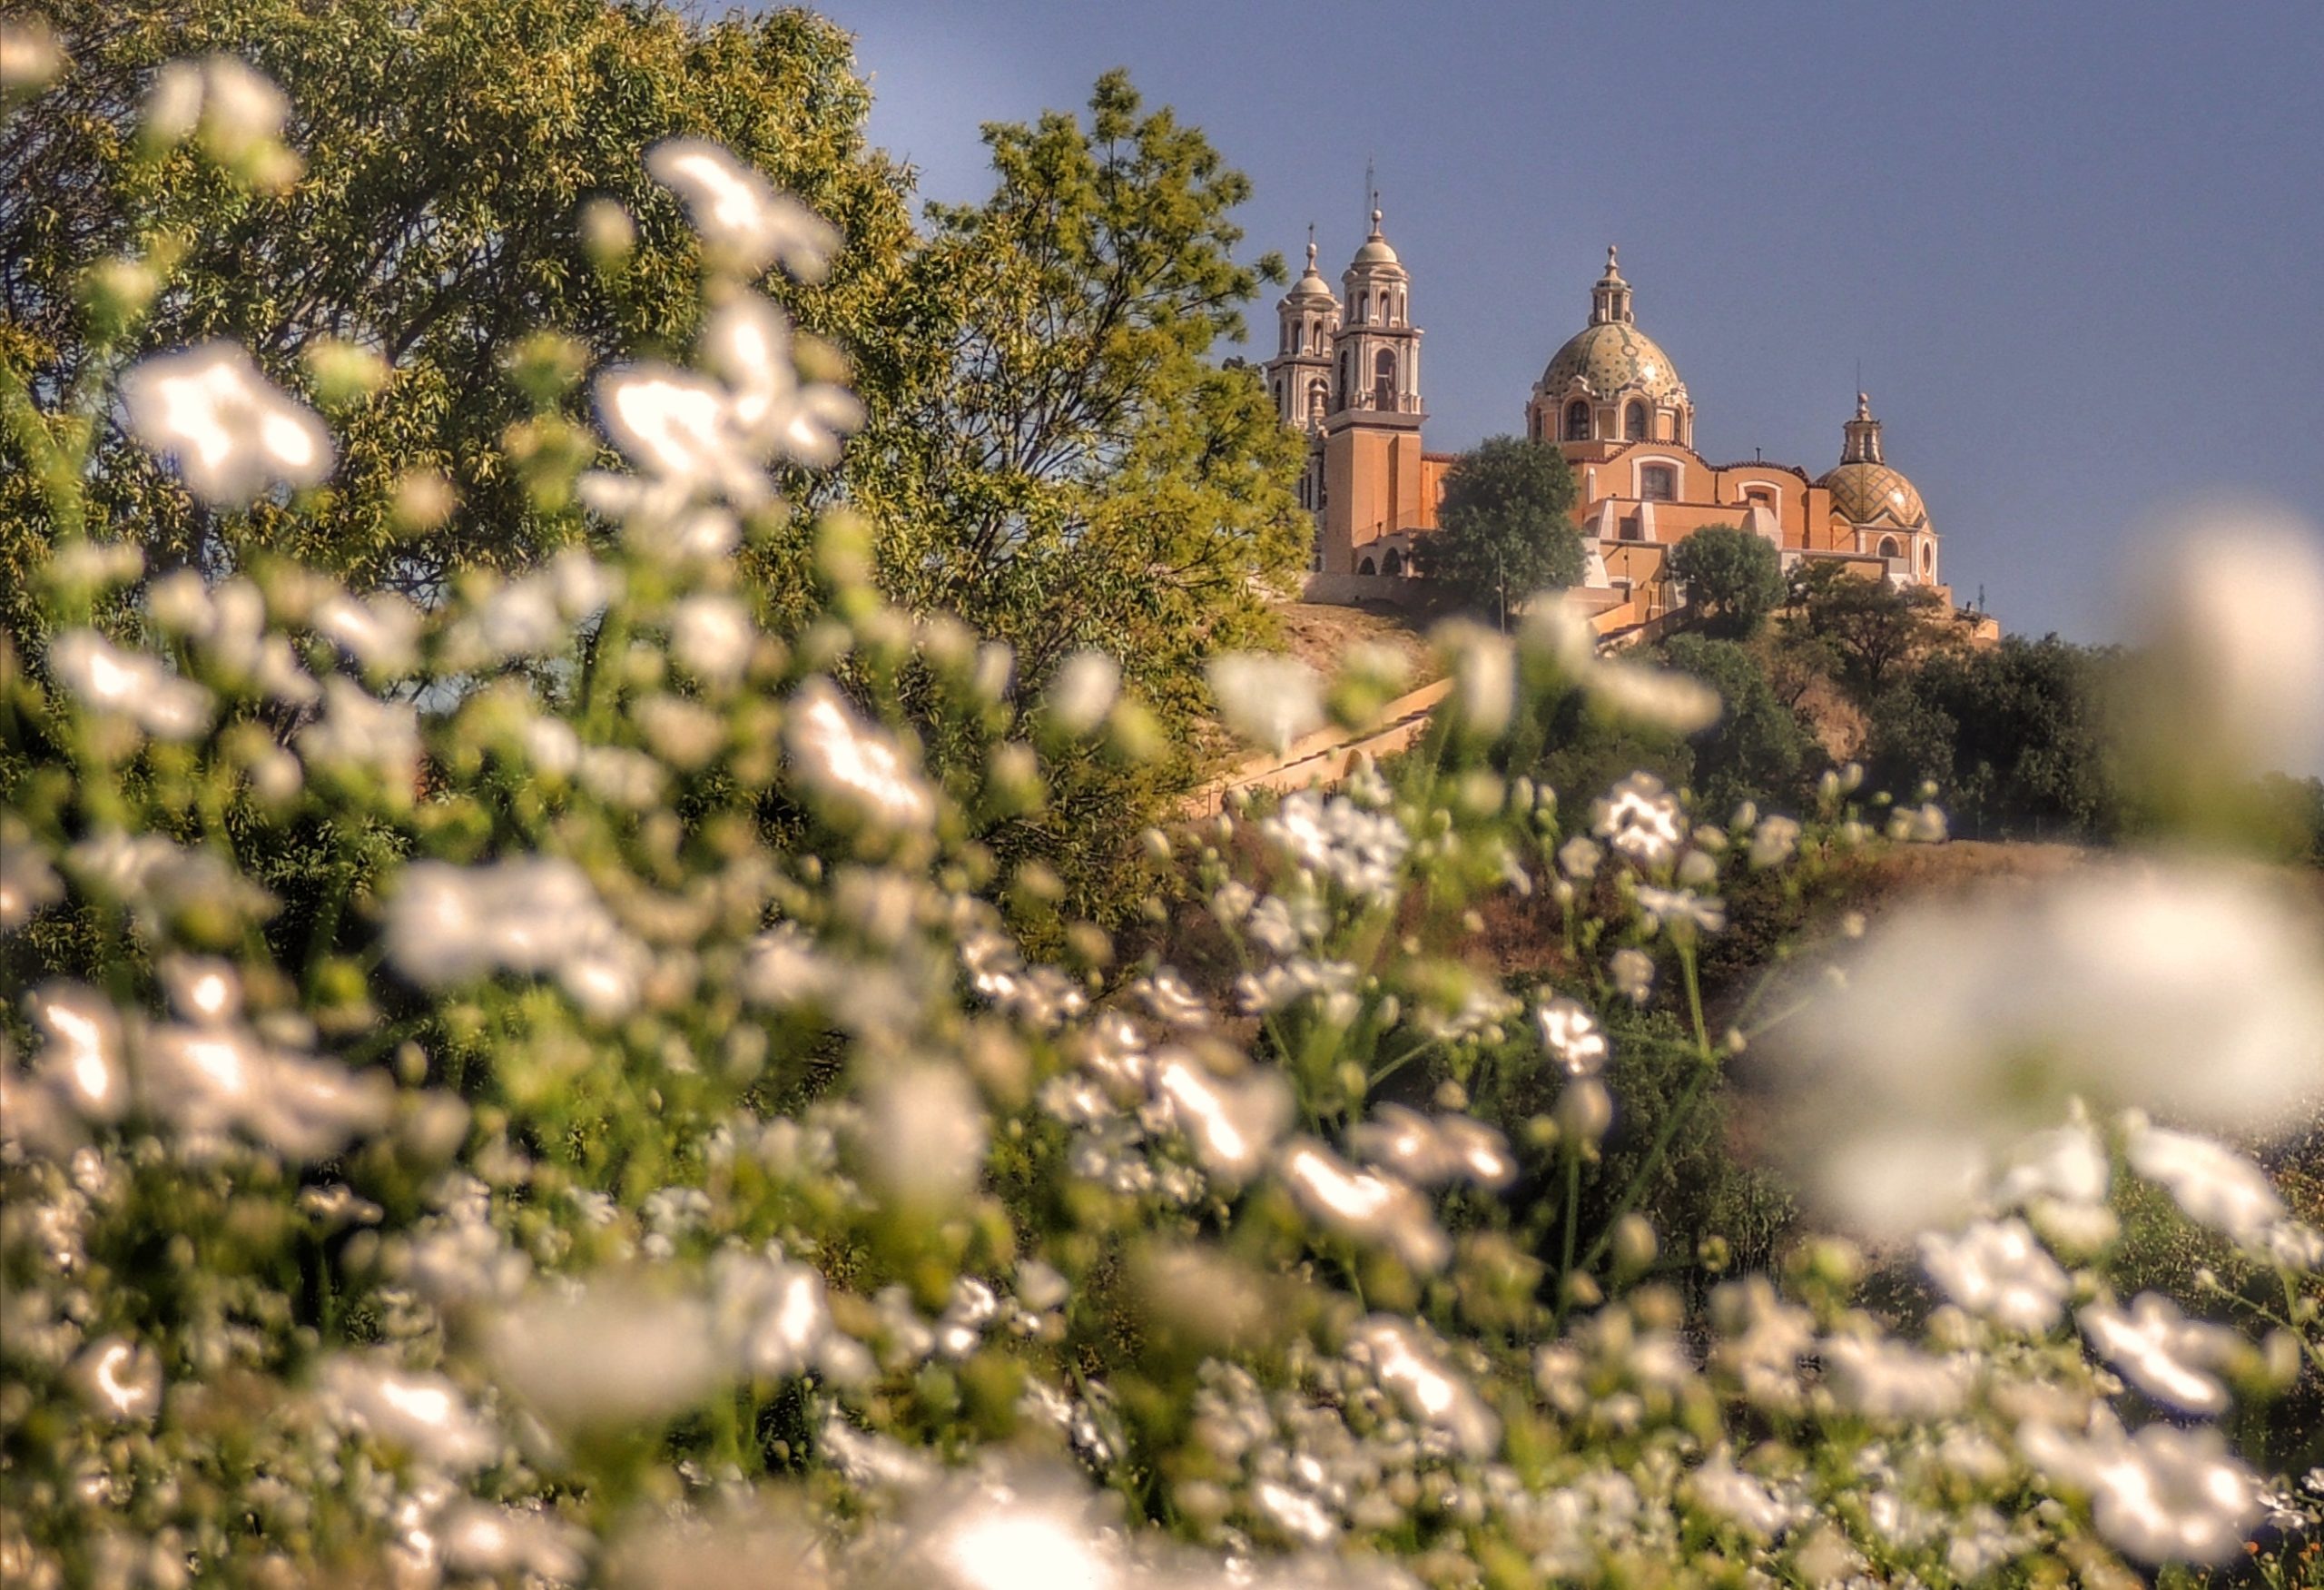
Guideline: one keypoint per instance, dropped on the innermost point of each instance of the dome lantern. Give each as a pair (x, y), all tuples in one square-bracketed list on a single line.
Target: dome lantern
[(1610, 300)]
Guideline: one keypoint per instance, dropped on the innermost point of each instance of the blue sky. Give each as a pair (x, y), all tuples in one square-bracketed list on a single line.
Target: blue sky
[(2078, 251)]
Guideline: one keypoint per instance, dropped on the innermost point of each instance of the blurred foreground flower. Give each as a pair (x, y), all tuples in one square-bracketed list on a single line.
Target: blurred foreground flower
[(234, 433), (2193, 990)]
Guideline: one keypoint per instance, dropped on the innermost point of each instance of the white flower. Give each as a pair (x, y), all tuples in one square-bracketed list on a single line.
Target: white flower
[(1269, 700), (1233, 1125), (1653, 696), (121, 1379), (2067, 1164), (357, 733), (421, 1412), (28, 885), (1774, 841), (1406, 1364), (234, 433), (1084, 690), (1921, 825), (1450, 1147), (737, 213), (533, 914), (610, 1353), (2232, 681), (712, 635), (131, 683), (381, 631), (213, 1079), (924, 1134), (2195, 991), (681, 428), (1572, 1037), (1878, 1378), (1362, 851), (2216, 1186), (1680, 911), (2164, 1496), (748, 343), (1641, 819), (1631, 971), (2163, 1352), (1579, 856), (30, 55), (1365, 1205), (2000, 1269), (1747, 1502), (846, 761)]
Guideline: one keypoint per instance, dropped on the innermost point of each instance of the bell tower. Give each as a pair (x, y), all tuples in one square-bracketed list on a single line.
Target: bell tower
[(1371, 446)]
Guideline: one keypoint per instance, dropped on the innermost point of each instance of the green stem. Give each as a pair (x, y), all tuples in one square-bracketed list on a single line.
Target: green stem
[(1678, 1114)]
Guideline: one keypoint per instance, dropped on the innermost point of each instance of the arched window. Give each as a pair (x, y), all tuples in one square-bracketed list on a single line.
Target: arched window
[(1634, 422), (1658, 483), (1383, 380), (1363, 306), (1394, 563), (1366, 568), (1888, 547), (1347, 386), (1577, 420), (1928, 557)]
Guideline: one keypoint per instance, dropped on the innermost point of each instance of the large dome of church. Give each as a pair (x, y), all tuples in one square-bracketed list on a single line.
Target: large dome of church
[(1614, 357)]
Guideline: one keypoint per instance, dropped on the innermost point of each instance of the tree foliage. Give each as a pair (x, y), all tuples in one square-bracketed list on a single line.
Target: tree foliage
[(1505, 529), (1063, 467), (1872, 628), (1759, 750), (2014, 735), (449, 153), (1734, 577)]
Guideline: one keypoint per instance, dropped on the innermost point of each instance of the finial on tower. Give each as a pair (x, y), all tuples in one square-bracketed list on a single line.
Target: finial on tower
[(1311, 247), (1376, 215), (1864, 406), (1613, 266)]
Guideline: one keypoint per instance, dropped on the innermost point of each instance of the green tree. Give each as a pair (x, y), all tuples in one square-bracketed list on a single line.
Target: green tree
[(2014, 735), (451, 152), (1758, 749), (1505, 529), (1734, 577), (1068, 467), (1872, 628)]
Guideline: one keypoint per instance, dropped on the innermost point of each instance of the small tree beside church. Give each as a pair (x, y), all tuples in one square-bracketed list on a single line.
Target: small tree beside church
[(1733, 578), (1505, 529)]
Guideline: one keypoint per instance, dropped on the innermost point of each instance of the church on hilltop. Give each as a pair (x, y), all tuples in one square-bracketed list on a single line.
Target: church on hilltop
[(1346, 373)]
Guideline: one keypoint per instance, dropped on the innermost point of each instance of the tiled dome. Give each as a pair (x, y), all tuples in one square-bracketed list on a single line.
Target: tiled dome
[(1610, 357), (1864, 492)]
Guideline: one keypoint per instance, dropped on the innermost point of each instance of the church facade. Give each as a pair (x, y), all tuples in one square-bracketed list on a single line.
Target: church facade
[(1346, 373)]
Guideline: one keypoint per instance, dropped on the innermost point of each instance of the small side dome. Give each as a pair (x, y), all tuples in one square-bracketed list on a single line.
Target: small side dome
[(1376, 250), (1866, 491), (1310, 287), (1865, 494)]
